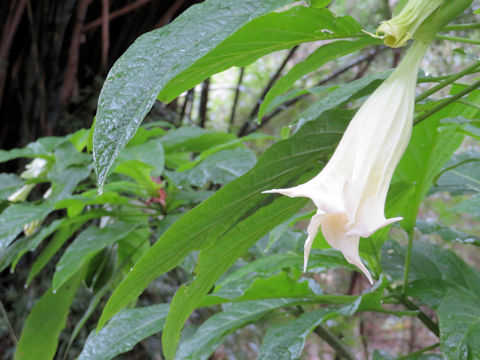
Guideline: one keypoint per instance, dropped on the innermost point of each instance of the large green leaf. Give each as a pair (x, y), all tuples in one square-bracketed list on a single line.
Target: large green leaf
[(215, 259), (214, 331), (459, 319), (154, 59), (39, 339), (16, 216), (470, 206), (318, 58), (85, 246), (126, 329), (205, 225), (262, 36)]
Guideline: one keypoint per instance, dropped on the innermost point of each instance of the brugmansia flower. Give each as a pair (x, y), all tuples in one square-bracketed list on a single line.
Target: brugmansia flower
[(398, 30), (351, 189)]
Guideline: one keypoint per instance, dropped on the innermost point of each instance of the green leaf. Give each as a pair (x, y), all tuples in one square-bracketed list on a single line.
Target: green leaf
[(433, 271), (16, 216), (149, 152), (461, 175), (269, 33), (208, 222), (41, 330), (194, 139), (470, 206), (126, 329), (220, 168), (319, 260), (446, 233), (459, 320), (216, 258), (40, 148), (214, 331), (27, 243), (255, 288), (85, 246), (426, 154), (339, 94), (318, 58), (9, 183), (60, 237), (286, 341), (155, 58)]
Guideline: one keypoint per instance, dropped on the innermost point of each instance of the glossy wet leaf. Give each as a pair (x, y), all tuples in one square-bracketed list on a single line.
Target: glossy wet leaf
[(459, 320), (123, 332), (154, 59), (262, 36)]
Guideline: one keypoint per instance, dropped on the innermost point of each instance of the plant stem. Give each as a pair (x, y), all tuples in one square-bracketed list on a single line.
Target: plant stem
[(408, 255), (325, 333), (451, 79), (9, 325), (421, 315), (458, 39), (461, 27), (419, 352), (448, 101)]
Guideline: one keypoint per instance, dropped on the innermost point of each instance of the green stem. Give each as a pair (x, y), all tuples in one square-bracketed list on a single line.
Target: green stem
[(419, 352), (461, 27), (469, 70), (408, 256), (329, 337), (414, 313), (421, 315), (448, 101), (458, 39)]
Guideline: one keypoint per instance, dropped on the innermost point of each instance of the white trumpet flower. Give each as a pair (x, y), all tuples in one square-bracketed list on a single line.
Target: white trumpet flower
[(351, 189)]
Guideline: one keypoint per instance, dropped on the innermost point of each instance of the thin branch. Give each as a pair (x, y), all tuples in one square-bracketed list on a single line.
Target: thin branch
[(272, 81), (125, 10), (236, 97), (168, 15), (188, 98), (105, 33), (9, 30), (458, 39), (468, 70), (447, 102), (461, 27), (203, 107), (330, 338), (252, 127), (69, 81)]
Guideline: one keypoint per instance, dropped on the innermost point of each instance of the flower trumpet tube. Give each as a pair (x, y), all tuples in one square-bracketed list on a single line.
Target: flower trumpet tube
[(351, 189), (398, 30)]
